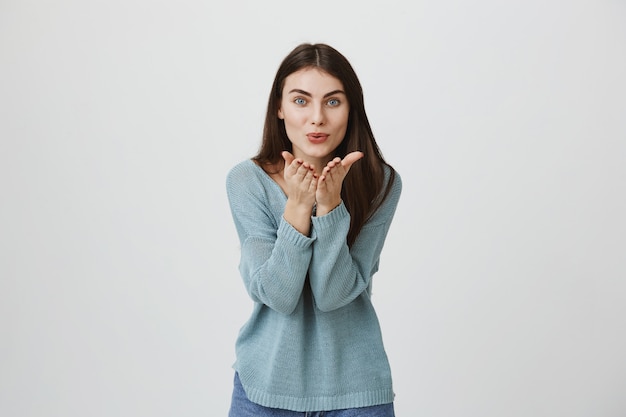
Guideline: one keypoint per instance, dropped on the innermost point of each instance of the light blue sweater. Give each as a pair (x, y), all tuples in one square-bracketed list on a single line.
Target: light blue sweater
[(313, 341)]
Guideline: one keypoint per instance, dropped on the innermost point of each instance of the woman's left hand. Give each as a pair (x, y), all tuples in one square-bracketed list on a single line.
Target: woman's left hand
[(328, 193)]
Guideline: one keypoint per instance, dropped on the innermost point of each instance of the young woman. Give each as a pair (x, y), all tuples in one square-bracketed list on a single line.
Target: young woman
[(312, 210)]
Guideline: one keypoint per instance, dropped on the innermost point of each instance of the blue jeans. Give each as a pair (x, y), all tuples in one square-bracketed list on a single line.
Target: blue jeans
[(241, 406)]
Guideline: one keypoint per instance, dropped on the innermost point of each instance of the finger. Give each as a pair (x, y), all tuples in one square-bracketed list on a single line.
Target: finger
[(288, 157), (351, 158), (304, 170), (308, 166), (312, 179), (333, 162)]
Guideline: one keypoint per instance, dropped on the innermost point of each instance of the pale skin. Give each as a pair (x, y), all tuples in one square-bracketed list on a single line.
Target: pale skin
[(315, 110)]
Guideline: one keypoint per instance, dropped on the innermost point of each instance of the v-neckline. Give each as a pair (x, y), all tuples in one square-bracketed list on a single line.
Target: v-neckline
[(269, 178)]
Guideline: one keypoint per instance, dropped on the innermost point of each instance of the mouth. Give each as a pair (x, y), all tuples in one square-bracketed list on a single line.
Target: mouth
[(317, 137)]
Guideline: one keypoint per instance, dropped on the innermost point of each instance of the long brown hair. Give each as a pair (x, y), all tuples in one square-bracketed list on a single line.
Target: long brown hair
[(364, 188)]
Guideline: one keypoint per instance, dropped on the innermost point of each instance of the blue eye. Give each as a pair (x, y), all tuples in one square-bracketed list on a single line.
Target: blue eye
[(333, 102), (300, 101)]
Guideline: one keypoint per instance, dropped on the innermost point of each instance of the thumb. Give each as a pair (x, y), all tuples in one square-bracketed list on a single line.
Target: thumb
[(288, 157), (351, 158)]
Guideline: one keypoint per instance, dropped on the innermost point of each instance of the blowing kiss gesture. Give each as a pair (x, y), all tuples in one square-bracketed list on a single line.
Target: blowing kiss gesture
[(305, 188)]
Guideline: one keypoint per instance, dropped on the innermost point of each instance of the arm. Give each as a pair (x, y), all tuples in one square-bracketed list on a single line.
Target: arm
[(339, 274), (274, 256)]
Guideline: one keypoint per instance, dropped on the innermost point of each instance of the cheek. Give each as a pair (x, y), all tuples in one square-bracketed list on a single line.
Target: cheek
[(342, 120), (294, 117)]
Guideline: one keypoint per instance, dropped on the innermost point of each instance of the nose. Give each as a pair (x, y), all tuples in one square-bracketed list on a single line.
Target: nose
[(317, 116)]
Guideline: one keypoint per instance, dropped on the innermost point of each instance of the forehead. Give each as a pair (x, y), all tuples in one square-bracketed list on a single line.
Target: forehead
[(312, 80)]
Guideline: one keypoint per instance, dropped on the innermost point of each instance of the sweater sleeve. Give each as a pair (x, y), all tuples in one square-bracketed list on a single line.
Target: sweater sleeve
[(274, 256), (339, 274)]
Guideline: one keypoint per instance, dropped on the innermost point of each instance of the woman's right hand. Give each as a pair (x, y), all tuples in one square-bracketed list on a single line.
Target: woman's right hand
[(301, 184), (300, 179)]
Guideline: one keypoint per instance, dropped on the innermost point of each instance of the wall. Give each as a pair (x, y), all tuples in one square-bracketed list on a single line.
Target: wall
[(502, 286)]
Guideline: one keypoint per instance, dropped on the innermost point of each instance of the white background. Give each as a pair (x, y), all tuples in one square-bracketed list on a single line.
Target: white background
[(502, 289)]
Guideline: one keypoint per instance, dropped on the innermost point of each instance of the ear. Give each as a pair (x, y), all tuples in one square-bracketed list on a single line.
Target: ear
[(280, 114)]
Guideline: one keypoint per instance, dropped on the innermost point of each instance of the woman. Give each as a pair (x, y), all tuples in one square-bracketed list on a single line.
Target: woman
[(312, 210)]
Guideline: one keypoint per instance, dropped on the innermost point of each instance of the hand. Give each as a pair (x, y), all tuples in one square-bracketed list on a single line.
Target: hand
[(300, 180), (328, 194)]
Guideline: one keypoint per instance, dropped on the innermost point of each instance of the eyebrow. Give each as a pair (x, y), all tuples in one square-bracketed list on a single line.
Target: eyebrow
[(306, 93)]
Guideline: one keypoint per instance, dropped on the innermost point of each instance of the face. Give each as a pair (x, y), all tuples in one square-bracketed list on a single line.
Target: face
[(315, 110)]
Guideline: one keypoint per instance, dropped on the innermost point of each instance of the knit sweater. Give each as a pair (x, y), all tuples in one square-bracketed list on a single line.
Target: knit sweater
[(313, 340)]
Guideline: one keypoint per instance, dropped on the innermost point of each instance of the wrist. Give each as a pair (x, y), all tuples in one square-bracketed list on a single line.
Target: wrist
[(298, 215), (299, 207), (325, 208)]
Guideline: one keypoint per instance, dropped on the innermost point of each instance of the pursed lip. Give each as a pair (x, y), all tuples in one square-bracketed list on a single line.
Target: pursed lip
[(317, 137)]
